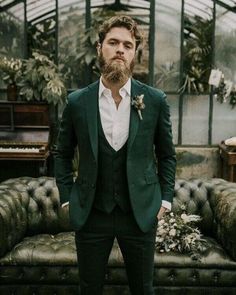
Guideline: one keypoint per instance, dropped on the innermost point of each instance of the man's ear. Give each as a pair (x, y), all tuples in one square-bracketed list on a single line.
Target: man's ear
[(99, 46)]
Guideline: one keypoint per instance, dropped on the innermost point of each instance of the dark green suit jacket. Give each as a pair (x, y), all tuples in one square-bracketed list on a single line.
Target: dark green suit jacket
[(150, 154)]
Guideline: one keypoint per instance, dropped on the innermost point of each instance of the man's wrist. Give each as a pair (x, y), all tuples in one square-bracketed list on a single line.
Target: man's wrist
[(166, 205)]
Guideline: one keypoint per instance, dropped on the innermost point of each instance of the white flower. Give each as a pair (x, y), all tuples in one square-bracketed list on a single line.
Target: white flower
[(194, 218), (190, 218), (137, 102), (172, 245), (183, 207), (172, 232), (184, 217), (179, 233), (161, 231), (159, 240)]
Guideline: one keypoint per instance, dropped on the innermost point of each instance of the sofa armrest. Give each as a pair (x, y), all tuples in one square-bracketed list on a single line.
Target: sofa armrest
[(13, 218), (225, 216)]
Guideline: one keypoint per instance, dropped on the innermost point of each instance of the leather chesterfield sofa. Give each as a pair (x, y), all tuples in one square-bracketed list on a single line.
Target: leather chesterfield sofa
[(38, 256)]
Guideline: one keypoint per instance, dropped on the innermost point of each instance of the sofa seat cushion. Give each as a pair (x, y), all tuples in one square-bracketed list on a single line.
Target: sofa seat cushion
[(43, 249), (52, 259), (59, 249), (214, 256)]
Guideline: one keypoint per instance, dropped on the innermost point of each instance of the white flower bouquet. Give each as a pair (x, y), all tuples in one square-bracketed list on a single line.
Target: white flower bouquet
[(179, 233)]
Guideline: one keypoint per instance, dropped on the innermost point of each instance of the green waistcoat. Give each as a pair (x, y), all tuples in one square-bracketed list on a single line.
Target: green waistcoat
[(112, 186)]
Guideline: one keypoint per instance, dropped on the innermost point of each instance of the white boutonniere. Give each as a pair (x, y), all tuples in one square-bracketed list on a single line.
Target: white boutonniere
[(138, 103)]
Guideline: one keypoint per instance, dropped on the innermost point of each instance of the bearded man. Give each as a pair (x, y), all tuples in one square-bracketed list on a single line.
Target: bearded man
[(126, 170)]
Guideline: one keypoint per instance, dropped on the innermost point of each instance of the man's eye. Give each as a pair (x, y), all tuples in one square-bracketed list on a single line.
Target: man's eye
[(112, 43), (128, 46)]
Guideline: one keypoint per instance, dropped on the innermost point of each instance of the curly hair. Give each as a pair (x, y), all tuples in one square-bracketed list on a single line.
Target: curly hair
[(120, 21)]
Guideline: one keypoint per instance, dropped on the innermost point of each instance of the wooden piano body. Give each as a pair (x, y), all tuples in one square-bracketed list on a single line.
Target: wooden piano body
[(24, 138)]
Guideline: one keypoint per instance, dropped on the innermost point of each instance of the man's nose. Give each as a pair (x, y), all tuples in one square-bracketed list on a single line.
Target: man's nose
[(120, 48)]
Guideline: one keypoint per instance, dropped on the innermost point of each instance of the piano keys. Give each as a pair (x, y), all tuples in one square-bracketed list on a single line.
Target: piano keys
[(22, 151)]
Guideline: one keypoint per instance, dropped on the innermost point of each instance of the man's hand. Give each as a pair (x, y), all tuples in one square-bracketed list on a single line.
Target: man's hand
[(161, 212)]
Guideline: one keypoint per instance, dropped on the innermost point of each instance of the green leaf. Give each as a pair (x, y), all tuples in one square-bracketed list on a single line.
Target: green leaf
[(88, 58)]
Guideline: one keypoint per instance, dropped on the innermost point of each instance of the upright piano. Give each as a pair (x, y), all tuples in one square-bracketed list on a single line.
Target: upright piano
[(24, 138)]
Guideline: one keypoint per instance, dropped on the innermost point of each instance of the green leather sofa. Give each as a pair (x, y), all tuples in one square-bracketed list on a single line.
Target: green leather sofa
[(37, 250)]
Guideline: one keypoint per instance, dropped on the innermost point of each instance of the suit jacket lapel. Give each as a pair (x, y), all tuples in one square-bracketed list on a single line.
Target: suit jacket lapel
[(92, 116), (136, 89)]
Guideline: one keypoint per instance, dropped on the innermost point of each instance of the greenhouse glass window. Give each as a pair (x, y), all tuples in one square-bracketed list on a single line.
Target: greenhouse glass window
[(167, 44)]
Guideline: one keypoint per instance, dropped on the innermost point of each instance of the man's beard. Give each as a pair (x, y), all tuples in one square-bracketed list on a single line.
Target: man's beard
[(115, 72)]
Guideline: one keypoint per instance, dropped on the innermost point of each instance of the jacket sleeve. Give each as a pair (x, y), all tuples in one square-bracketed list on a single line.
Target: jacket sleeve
[(165, 151), (64, 154)]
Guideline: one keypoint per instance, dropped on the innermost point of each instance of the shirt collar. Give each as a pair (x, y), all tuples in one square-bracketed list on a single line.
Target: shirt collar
[(126, 88)]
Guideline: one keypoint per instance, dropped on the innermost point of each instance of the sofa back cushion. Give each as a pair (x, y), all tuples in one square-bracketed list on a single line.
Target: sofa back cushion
[(45, 215), (13, 218), (198, 197)]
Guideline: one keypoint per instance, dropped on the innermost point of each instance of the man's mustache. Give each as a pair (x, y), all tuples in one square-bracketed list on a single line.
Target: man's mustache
[(119, 57)]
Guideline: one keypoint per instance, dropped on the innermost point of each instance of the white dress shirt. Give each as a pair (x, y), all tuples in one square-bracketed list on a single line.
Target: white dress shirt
[(115, 121)]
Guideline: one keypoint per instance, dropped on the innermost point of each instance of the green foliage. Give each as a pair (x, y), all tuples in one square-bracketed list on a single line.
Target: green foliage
[(80, 63), (197, 54), (88, 52), (233, 98), (41, 80), (42, 37), (10, 34), (10, 69)]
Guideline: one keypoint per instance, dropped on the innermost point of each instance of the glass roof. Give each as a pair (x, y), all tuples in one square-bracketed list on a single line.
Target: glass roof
[(42, 9), (129, 3), (200, 8)]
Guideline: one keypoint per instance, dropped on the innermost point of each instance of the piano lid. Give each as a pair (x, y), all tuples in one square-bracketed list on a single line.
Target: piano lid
[(15, 115), (24, 122)]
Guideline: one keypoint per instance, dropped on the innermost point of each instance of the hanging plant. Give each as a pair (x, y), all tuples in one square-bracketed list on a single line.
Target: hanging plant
[(197, 54)]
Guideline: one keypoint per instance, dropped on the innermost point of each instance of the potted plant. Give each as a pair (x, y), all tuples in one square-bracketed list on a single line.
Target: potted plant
[(197, 54), (41, 80), (11, 71)]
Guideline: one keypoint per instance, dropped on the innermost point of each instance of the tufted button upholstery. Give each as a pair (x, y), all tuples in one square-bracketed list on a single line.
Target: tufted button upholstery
[(42, 204), (13, 218), (38, 255)]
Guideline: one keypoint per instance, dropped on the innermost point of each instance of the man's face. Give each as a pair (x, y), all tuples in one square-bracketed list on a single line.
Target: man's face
[(116, 55)]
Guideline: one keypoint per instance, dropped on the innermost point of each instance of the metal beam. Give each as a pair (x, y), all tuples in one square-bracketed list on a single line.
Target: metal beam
[(10, 5), (226, 6), (211, 96), (151, 41), (181, 96)]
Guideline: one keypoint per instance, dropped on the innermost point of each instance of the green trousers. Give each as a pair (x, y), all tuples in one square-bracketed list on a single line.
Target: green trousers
[(94, 243)]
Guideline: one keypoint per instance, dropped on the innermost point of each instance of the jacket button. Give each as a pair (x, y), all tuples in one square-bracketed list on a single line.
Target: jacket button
[(93, 185)]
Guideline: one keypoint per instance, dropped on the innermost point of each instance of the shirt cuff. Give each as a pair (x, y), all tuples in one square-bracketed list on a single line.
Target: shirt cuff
[(64, 204), (166, 204)]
